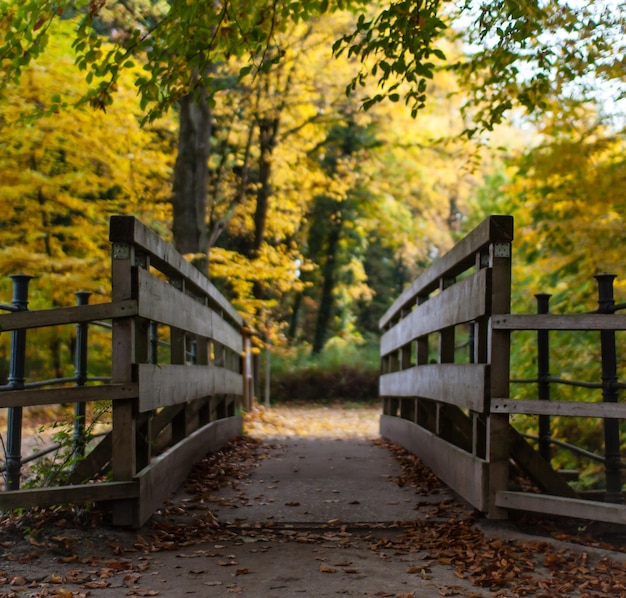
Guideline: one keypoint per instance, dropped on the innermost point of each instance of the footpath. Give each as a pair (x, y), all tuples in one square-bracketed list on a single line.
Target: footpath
[(308, 517)]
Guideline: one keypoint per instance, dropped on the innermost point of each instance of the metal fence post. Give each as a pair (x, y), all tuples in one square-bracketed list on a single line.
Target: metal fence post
[(606, 305), (16, 382), (80, 375), (543, 375)]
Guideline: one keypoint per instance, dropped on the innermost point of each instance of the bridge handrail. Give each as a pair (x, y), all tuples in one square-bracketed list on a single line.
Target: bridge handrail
[(462, 257), (165, 415), (454, 412)]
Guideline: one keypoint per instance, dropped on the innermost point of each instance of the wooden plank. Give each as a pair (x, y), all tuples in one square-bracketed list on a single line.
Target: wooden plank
[(167, 471), (69, 394), (165, 385), (565, 507), (459, 259), (67, 315), (566, 408), (127, 229), (94, 462), (458, 384), (498, 355), (535, 466), (47, 497), (559, 322), (162, 302), (464, 473), (458, 304)]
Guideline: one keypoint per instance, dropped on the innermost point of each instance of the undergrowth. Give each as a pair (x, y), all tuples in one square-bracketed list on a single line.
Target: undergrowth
[(344, 370)]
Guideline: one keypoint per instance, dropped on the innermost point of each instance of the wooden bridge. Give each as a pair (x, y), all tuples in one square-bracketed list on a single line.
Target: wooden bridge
[(180, 378)]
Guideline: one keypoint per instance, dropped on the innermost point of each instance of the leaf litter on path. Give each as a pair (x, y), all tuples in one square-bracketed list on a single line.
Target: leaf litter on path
[(88, 560)]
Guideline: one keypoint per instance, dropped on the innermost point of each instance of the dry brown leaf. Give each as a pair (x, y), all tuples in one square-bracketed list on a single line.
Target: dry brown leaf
[(94, 585), (327, 569)]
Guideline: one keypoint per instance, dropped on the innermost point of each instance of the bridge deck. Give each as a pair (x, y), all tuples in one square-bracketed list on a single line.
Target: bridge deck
[(315, 516)]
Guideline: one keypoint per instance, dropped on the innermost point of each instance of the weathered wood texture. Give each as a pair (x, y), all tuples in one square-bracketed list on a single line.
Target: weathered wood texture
[(173, 294), (462, 290), (457, 261), (166, 415), (167, 471), (562, 506), (455, 416), (457, 468), (464, 385)]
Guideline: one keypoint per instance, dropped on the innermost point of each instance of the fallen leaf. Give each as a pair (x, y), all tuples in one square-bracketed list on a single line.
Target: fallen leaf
[(327, 569)]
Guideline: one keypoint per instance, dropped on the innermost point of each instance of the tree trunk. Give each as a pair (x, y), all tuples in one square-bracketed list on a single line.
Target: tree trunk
[(325, 311), (268, 132), (189, 197)]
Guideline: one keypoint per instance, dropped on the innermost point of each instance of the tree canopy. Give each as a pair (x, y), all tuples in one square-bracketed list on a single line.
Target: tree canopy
[(519, 54)]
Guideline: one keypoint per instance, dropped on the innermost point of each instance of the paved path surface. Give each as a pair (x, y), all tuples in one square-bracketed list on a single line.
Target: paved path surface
[(312, 481), (317, 517)]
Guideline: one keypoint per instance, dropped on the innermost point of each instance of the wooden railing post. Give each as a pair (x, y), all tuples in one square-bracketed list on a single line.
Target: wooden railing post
[(124, 432), (499, 359)]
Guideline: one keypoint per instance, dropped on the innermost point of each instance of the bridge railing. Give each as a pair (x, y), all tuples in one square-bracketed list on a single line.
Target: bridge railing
[(445, 382), (178, 379), (443, 401)]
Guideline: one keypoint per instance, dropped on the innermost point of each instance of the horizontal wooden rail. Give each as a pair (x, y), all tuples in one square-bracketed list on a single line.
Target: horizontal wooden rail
[(127, 229), (565, 408), (68, 394), (559, 322), (58, 316), (76, 494), (459, 259), (563, 506)]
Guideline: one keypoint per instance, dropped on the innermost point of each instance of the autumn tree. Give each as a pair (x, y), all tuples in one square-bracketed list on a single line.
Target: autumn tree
[(62, 177), (519, 55)]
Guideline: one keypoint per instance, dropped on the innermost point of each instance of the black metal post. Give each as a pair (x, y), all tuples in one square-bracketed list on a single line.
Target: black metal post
[(16, 382), (606, 304), (543, 375), (80, 375)]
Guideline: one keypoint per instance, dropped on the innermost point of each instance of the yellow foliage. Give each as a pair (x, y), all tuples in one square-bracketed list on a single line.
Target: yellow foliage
[(63, 176)]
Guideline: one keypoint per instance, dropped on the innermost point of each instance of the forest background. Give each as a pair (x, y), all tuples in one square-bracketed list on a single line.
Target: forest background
[(310, 212)]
